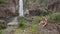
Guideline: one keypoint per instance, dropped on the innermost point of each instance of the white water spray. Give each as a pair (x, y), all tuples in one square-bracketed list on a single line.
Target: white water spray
[(20, 7)]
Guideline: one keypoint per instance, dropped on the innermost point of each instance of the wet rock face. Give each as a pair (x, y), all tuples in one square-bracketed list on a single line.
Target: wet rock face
[(9, 11), (53, 5), (34, 12), (12, 5), (48, 29), (6, 13)]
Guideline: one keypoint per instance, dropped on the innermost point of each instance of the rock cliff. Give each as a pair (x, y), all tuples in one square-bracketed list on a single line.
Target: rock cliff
[(9, 9), (53, 5)]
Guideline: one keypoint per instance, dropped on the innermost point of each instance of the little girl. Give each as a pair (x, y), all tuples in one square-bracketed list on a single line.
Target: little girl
[(43, 22)]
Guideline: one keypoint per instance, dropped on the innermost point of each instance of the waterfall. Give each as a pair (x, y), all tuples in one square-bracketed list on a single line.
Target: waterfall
[(20, 7)]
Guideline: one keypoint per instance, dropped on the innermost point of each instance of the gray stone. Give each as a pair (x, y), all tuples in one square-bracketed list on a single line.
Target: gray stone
[(13, 22), (48, 29), (9, 31)]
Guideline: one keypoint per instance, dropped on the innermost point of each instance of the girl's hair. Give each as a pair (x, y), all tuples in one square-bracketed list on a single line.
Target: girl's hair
[(44, 18)]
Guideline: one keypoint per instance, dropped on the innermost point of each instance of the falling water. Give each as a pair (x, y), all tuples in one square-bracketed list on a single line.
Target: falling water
[(20, 7)]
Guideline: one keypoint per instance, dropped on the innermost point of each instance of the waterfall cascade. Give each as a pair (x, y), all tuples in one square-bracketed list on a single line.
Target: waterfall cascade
[(20, 7)]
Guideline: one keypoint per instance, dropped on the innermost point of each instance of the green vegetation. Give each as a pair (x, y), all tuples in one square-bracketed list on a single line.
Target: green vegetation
[(45, 0), (33, 26), (3, 2), (3, 24), (22, 22), (51, 17), (45, 12), (35, 23), (37, 19), (54, 18), (1, 31)]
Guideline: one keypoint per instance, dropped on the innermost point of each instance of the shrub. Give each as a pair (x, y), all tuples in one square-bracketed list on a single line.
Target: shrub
[(45, 12), (36, 19), (22, 22), (3, 24), (35, 22), (55, 17), (3, 3)]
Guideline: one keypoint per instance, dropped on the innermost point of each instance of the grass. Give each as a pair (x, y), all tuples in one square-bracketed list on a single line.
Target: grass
[(29, 30), (1, 31), (54, 18), (37, 19), (33, 28), (22, 22), (18, 31)]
